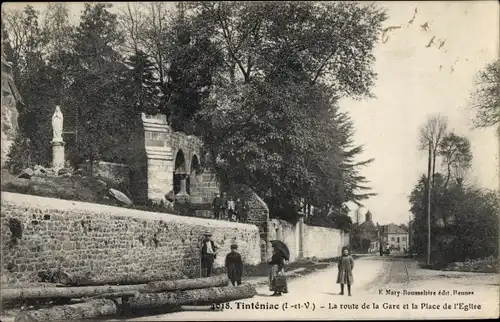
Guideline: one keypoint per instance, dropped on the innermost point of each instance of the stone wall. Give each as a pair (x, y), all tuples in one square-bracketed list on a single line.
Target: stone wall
[(286, 232), (322, 242), (45, 233), (116, 173), (203, 187), (319, 242)]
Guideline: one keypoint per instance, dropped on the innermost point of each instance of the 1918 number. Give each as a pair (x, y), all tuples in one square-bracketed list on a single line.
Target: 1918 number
[(220, 306)]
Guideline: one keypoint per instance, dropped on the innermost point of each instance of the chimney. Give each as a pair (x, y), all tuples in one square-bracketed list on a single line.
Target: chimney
[(368, 216)]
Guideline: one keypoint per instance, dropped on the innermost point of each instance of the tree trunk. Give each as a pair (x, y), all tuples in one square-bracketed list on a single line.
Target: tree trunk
[(16, 294), (165, 302), (105, 279), (154, 301), (87, 310), (187, 284)]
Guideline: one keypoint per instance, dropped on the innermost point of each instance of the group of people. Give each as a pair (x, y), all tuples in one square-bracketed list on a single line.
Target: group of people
[(234, 265), (277, 279), (226, 208)]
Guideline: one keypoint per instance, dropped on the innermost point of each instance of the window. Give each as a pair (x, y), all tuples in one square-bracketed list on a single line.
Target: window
[(404, 238), (392, 238)]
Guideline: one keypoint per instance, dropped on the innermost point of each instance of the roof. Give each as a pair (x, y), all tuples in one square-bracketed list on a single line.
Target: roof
[(368, 225), (394, 229)]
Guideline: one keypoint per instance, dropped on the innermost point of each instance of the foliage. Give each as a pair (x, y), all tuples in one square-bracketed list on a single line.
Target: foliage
[(146, 93), (260, 83), (272, 121), (457, 156), (98, 87), (486, 97), (464, 221)]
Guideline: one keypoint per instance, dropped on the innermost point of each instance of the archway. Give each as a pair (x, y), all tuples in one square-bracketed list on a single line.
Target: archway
[(191, 179), (179, 171)]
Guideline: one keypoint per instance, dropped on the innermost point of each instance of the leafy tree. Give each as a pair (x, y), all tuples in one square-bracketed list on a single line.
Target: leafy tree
[(146, 92), (97, 86), (457, 156), (486, 97), (464, 221), (36, 80), (272, 119)]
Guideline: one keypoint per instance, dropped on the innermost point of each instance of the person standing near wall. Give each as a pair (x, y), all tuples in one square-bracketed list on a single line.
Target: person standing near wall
[(224, 205), (217, 206), (231, 209), (208, 255), (241, 210)]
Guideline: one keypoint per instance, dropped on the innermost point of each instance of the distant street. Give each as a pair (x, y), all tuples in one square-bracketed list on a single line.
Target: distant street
[(379, 280)]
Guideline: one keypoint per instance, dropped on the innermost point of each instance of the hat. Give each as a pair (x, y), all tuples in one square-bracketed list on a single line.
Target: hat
[(207, 233), (234, 246)]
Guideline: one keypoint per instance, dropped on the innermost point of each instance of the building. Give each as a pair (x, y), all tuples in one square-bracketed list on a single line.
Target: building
[(394, 236), (368, 233)]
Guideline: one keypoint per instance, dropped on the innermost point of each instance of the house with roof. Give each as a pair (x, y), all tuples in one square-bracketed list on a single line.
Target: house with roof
[(395, 236), (368, 233)]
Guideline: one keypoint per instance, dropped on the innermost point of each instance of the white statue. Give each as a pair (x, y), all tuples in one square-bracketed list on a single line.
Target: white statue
[(57, 125)]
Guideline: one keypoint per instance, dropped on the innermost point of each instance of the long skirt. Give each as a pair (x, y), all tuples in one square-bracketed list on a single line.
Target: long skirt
[(273, 272)]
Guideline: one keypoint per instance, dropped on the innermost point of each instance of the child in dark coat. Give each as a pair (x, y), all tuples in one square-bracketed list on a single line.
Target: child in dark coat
[(234, 266), (345, 266)]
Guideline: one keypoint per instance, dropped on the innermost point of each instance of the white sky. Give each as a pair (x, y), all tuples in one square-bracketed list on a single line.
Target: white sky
[(410, 87)]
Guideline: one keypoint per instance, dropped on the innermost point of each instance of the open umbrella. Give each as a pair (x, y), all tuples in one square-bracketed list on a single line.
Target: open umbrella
[(120, 196), (282, 248)]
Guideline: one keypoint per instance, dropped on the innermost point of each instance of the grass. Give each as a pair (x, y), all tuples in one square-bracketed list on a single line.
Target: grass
[(76, 188)]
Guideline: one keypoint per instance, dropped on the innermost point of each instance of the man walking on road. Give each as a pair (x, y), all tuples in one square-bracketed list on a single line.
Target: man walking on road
[(208, 255)]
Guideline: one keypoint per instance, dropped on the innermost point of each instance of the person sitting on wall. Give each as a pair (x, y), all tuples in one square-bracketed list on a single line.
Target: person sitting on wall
[(208, 255), (218, 205)]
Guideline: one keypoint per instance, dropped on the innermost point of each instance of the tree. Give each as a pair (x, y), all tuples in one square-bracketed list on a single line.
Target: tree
[(146, 93), (98, 91), (37, 81), (457, 156), (272, 118), (464, 221), (486, 97), (431, 136)]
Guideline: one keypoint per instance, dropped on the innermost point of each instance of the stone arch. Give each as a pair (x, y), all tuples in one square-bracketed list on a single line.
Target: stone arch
[(180, 162), (179, 170), (194, 169), (195, 164)]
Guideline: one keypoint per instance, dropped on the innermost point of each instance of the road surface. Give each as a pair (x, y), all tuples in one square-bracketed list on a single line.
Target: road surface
[(378, 293)]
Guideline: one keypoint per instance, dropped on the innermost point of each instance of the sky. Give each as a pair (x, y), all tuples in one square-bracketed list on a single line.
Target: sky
[(414, 82)]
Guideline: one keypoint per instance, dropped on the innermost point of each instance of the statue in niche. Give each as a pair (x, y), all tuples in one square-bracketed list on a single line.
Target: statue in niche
[(57, 125)]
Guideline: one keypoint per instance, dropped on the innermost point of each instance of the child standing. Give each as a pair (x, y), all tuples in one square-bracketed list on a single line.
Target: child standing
[(345, 266), (234, 266)]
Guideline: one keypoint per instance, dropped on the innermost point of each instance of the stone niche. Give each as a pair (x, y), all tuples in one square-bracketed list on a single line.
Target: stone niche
[(164, 160)]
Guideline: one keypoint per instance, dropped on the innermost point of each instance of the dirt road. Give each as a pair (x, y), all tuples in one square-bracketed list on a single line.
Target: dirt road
[(378, 293)]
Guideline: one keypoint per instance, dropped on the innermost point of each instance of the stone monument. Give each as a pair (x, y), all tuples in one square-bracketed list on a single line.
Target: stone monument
[(57, 140)]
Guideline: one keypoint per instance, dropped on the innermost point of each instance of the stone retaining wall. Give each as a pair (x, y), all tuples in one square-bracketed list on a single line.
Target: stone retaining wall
[(45, 233)]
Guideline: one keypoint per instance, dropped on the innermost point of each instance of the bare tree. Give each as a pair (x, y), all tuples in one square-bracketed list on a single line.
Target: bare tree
[(486, 97), (431, 135), (133, 22)]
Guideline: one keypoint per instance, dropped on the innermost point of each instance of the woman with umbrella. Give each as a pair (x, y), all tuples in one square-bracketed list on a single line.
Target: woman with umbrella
[(277, 279)]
